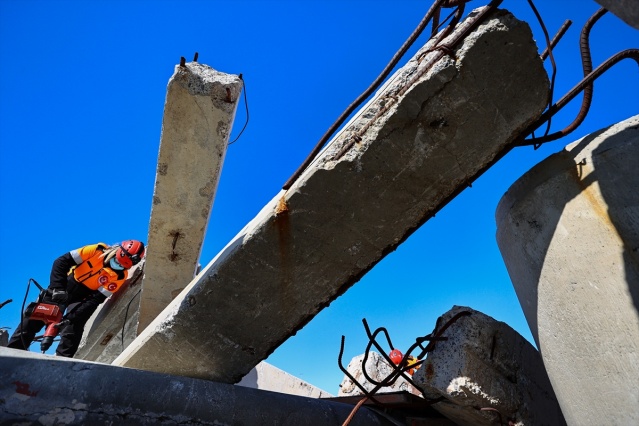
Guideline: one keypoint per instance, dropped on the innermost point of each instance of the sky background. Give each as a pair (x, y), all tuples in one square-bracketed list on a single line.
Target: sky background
[(82, 90)]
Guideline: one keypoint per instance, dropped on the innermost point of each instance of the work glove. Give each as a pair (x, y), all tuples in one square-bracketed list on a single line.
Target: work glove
[(59, 296), (63, 323)]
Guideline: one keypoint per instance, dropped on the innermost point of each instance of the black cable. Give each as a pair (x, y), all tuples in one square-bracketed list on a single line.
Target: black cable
[(247, 111), (126, 314)]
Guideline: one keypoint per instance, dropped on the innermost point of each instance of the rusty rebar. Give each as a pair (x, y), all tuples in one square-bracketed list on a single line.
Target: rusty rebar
[(440, 51), (596, 73), (361, 98), (555, 40), (586, 62)]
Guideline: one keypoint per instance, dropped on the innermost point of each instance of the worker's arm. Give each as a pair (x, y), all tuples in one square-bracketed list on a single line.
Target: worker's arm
[(85, 309), (63, 264), (59, 271)]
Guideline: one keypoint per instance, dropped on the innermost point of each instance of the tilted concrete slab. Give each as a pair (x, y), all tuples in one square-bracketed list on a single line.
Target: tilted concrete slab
[(485, 364), (46, 390), (268, 377), (568, 233), (198, 116), (425, 135)]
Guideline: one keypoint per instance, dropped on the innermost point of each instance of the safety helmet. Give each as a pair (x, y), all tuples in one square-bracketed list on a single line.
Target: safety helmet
[(130, 253), (396, 356)]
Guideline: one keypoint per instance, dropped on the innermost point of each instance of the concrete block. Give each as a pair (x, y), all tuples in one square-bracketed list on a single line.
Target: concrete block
[(485, 364), (377, 369), (568, 231), (268, 377), (626, 10), (422, 138), (198, 116), (40, 389)]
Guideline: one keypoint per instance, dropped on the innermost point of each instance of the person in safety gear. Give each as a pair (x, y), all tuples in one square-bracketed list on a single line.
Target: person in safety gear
[(80, 281)]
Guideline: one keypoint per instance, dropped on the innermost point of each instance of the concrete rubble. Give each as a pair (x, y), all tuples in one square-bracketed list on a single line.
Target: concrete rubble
[(423, 138), (267, 377), (568, 233), (485, 364), (46, 390), (377, 369)]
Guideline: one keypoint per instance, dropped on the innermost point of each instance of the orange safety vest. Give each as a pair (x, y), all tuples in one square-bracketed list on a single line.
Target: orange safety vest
[(93, 273)]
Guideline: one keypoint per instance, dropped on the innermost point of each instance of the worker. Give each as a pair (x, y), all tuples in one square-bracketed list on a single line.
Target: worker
[(80, 281)]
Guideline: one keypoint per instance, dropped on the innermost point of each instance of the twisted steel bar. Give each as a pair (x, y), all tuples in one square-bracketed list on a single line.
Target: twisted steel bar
[(361, 98), (596, 73)]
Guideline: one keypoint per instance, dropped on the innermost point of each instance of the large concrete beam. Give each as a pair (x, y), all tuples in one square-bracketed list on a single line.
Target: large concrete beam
[(626, 10), (39, 389), (198, 116), (423, 138), (569, 237), (487, 374)]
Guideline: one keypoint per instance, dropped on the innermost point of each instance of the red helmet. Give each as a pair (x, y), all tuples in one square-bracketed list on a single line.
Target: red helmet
[(130, 253), (396, 356)]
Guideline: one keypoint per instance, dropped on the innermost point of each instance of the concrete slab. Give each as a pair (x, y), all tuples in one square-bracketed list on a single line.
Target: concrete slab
[(198, 116), (485, 368), (569, 237), (268, 377), (422, 139), (46, 390)]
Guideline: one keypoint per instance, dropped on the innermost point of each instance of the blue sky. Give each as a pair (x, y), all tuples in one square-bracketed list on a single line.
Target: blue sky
[(82, 89)]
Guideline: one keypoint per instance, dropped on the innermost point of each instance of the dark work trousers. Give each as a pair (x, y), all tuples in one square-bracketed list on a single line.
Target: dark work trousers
[(70, 336)]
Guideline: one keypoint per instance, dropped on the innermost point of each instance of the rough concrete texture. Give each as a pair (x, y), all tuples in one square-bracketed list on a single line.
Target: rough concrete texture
[(626, 10), (485, 364), (424, 136), (268, 377), (569, 234), (112, 327), (46, 390), (198, 116), (377, 369)]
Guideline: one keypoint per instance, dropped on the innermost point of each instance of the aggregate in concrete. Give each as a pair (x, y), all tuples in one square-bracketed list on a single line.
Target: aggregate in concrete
[(487, 373), (568, 231), (423, 138)]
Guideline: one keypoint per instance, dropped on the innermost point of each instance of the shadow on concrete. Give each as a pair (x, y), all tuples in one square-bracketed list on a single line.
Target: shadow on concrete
[(614, 164)]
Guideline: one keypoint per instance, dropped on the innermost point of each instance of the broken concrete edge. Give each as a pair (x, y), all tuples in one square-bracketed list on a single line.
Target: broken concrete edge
[(95, 393), (486, 371), (267, 251)]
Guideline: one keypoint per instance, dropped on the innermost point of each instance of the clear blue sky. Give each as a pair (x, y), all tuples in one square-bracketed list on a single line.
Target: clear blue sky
[(82, 89)]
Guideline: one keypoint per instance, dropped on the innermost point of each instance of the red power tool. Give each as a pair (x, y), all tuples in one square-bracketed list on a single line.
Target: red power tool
[(49, 313)]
